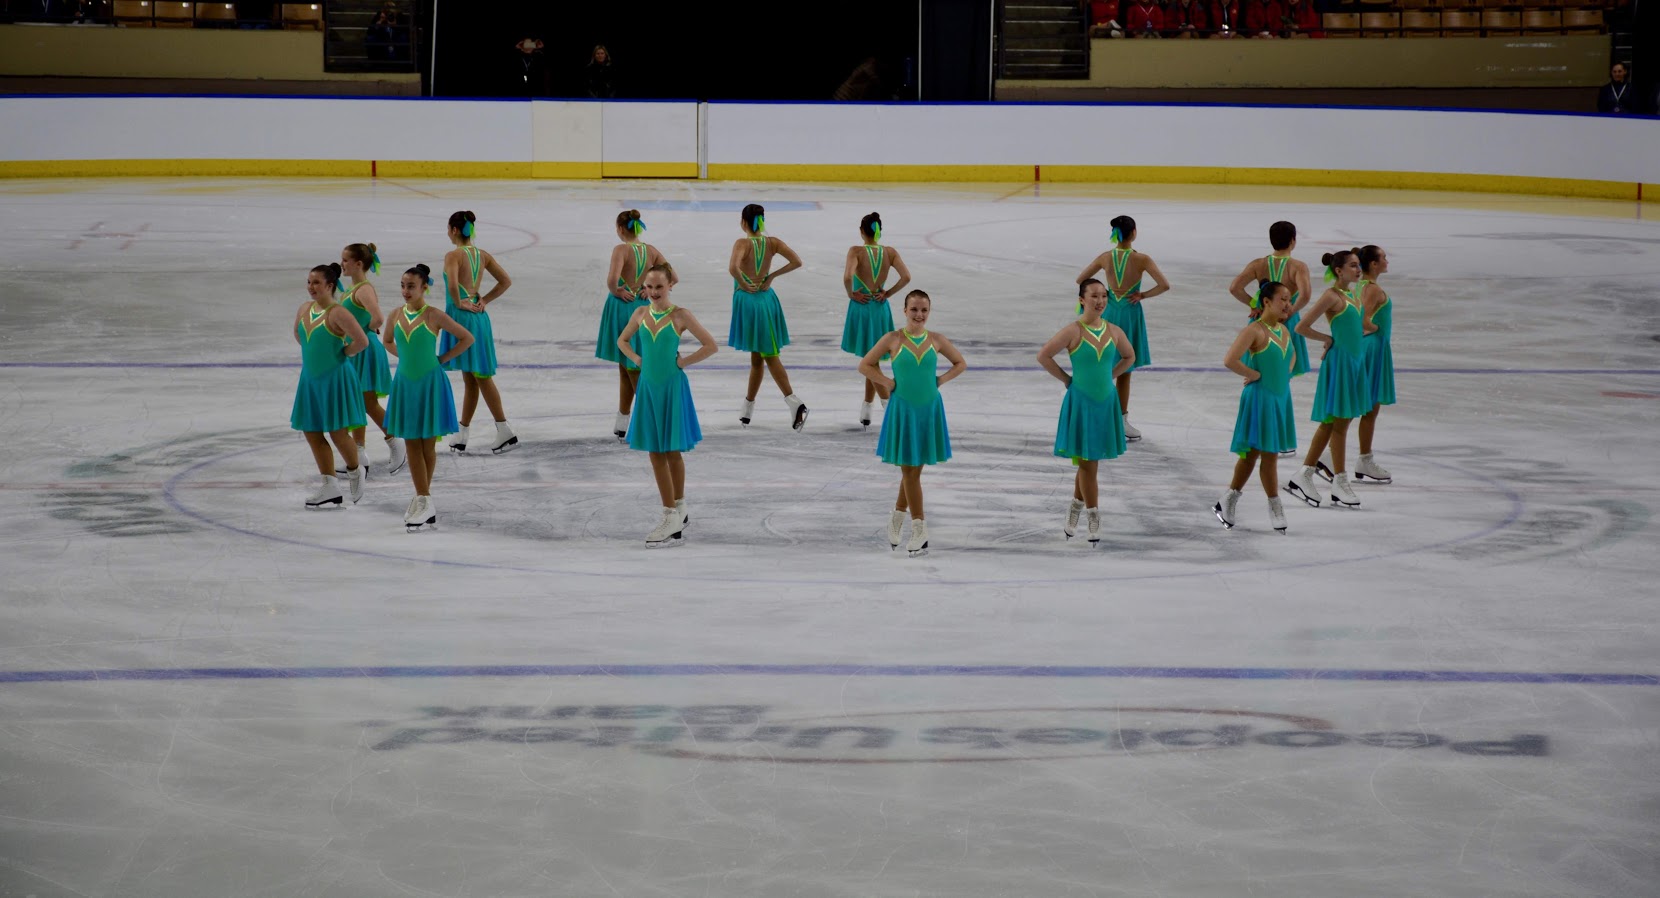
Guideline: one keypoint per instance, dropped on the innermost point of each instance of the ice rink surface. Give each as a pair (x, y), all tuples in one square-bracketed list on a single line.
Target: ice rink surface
[(1453, 690)]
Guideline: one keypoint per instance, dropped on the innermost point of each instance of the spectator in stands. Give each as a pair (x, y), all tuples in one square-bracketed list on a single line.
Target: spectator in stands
[(865, 83), (1184, 19), (1302, 19), (1103, 19), (1263, 18), (254, 15), (1616, 96), (600, 75), (1144, 19), (530, 68), (381, 41), (1223, 17)]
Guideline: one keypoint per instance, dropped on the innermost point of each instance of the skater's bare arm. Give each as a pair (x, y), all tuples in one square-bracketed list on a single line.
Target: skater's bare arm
[(897, 264), (390, 341), (502, 280), (346, 324), (370, 301), (463, 337), (949, 350), (1371, 302), (793, 261), (1090, 270), (1237, 288), (615, 274), (1126, 352), (1064, 340), (1234, 360), (734, 267), (706, 341), (1162, 286), (452, 277), (870, 365), (850, 268), (625, 340), (299, 317), (1319, 307), (1305, 293)]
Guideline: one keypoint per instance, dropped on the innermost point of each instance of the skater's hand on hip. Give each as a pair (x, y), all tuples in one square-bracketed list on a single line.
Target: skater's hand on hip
[(1133, 297), (1255, 376)]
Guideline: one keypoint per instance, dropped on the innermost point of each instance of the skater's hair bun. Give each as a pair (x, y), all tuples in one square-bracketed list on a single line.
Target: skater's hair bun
[(752, 215), (422, 272), (1122, 227), (1335, 260), (871, 224), (920, 293), (464, 222), (1280, 235), (628, 219), (330, 273), (361, 252), (1369, 256), (663, 268), (1085, 285)]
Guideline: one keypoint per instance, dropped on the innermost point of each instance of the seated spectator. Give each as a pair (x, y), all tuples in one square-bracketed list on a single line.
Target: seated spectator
[(1144, 20), (1223, 17), (1302, 19), (382, 35), (600, 75), (1616, 96), (1263, 18), (1103, 19), (1184, 19)]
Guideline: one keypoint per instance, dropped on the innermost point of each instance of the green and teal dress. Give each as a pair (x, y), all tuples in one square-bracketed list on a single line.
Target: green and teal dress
[(867, 322), (1343, 390), (422, 405), (613, 319), (757, 318), (480, 359), (328, 397), (1380, 357), (374, 371), (1266, 421), (1091, 424), (664, 420), (1276, 272), (1127, 315), (913, 428)]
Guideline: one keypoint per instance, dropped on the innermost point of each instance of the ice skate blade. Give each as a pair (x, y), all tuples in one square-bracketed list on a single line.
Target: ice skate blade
[(1289, 453), (1297, 492), (1362, 478), (428, 524), (917, 553), (744, 421), (507, 446), (669, 543), (1279, 530), (459, 448), (800, 419), (1324, 472), (398, 468), (1339, 503), (621, 435), (1134, 439), (337, 501), (1226, 524)]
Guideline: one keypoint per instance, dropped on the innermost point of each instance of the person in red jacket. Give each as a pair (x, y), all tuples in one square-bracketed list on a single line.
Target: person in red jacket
[(1145, 20), (1103, 19), (1302, 19), (1185, 19), (1223, 18), (1263, 18)]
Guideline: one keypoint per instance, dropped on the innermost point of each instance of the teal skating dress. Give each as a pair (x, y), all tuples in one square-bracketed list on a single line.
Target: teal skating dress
[(1266, 422), (913, 428), (1276, 272), (1091, 424), (374, 372), (757, 318), (665, 420), (1127, 315), (480, 359), (867, 322), (328, 397), (1343, 391), (1380, 358), (422, 405), (613, 319)]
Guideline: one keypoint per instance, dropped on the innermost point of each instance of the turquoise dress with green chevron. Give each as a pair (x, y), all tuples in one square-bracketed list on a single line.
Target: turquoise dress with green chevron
[(757, 318), (1091, 424), (613, 319), (1343, 390), (422, 405), (374, 372), (664, 420), (867, 322), (480, 359), (1127, 315), (1276, 272), (913, 427), (1266, 421), (1380, 357), (328, 397)]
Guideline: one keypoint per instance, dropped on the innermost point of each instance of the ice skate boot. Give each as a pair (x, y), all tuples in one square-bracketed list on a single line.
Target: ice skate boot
[(1073, 511), (505, 438), (1323, 470), (1368, 469), (1276, 513), (918, 546), (328, 493), (399, 456), (458, 440), (1341, 494), (620, 426), (422, 516), (685, 516), (1093, 515), (668, 532), (746, 411), (1301, 486), (864, 414), (798, 412), (1226, 508), (354, 482), (409, 510), (1130, 433), (896, 528)]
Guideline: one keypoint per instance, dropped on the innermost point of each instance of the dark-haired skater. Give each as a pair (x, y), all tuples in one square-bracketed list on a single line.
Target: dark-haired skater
[(1122, 267), (629, 261), (462, 302), (758, 326), (869, 317)]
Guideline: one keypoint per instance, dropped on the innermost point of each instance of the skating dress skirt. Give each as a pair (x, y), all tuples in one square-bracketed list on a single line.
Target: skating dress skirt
[(664, 419), (757, 318), (613, 318), (480, 359), (867, 322), (1343, 390), (374, 371), (1091, 423), (1266, 421), (328, 397), (913, 428), (1276, 272), (1380, 358), (421, 406)]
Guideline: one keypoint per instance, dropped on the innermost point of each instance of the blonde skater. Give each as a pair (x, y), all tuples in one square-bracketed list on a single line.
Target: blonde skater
[(421, 408)]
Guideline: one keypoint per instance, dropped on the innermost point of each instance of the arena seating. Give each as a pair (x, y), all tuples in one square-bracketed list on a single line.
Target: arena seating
[(1464, 18)]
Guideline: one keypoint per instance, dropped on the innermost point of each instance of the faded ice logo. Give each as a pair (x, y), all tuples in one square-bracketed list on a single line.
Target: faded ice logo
[(754, 733)]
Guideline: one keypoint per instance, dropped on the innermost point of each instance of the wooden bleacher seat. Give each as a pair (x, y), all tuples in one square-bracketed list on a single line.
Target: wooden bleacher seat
[(1421, 23), (1499, 22), (1541, 21), (1496, 4), (216, 15), (1420, 4), (1582, 21), (303, 16), (174, 14), (1380, 24), (1460, 4), (1460, 23), (1541, 4), (132, 13), (1341, 24)]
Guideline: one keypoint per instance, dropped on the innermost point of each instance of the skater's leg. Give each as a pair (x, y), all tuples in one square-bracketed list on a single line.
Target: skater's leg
[(420, 476), (492, 398), (1123, 385), (469, 398), (348, 449), (627, 380), (1270, 474), (1087, 484), (677, 475), (775, 365), (1339, 436), (1078, 483), (321, 453), (665, 479), (911, 476), (756, 364), (870, 391), (1242, 469), (1368, 422), (903, 502), (377, 414), (1317, 444)]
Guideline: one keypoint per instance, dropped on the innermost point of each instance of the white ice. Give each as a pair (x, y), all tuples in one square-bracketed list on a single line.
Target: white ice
[(1124, 729)]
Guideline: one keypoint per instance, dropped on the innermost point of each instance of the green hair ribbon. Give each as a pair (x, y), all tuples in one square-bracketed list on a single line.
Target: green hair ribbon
[(1117, 236), (1331, 276), (636, 225), (758, 224), (876, 230), (1257, 302), (374, 266), (467, 229)]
